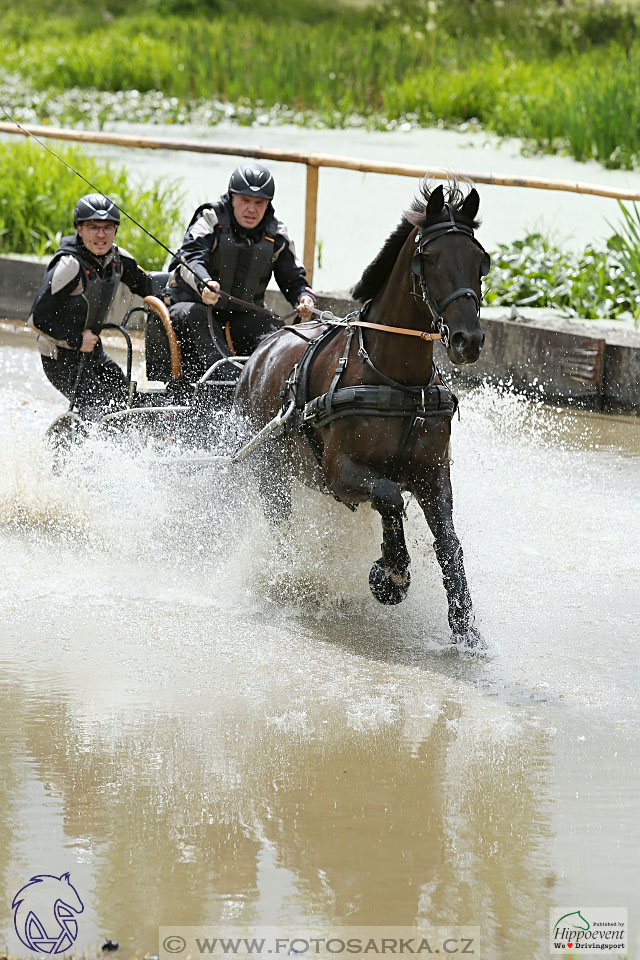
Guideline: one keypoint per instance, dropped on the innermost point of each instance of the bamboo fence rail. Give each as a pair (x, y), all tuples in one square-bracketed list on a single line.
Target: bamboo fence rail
[(313, 162)]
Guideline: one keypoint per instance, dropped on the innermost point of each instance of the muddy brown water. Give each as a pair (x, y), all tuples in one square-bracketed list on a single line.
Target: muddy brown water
[(204, 721)]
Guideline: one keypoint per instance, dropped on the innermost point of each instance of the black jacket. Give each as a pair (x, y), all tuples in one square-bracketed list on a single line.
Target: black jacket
[(77, 291), (243, 261)]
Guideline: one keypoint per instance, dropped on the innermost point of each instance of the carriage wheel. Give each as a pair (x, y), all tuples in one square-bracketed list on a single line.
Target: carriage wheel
[(65, 431)]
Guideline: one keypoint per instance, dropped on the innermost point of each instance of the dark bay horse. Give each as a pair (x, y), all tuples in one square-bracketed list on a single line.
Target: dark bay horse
[(372, 416)]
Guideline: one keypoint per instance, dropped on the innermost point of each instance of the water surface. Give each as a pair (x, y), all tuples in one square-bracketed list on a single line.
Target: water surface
[(205, 721)]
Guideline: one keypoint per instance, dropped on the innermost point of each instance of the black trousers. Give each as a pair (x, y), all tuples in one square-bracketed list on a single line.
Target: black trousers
[(101, 381), (200, 350)]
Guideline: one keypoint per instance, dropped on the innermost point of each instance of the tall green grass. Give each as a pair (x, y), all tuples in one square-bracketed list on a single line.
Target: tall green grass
[(626, 245), (38, 194), (561, 81)]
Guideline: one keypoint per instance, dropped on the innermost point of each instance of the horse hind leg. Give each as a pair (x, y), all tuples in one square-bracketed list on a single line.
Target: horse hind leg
[(389, 577)]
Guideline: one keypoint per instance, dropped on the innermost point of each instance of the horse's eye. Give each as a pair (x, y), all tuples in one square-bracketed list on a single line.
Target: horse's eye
[(428, 259)]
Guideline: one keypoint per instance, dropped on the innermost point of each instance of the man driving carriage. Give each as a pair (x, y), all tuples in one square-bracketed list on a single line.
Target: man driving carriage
[(234, 245), (79, 285)]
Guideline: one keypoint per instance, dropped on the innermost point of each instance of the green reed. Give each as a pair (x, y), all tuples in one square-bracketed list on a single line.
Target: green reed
[(591, 283), (565, 80), (38, 194)]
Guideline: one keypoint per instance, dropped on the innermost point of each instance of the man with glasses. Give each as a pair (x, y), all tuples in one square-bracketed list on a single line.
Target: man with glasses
[(79, 285)]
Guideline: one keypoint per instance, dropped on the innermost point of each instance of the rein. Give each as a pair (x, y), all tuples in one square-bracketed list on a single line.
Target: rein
[(326, 316), (255, 306), (436, 309)]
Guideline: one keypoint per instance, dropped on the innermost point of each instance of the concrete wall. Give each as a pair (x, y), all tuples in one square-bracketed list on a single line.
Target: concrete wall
[(576, 362)]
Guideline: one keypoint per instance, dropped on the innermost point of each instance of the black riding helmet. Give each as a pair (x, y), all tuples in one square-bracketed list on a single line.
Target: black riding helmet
[(94, 206), (252, 180)]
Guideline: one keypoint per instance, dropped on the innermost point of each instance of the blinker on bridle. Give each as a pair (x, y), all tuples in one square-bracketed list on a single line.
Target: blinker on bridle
[(422, 239)]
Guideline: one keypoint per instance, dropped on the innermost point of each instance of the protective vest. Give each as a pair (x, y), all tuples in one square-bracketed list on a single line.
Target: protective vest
[(100, 288), (86, 307), (242, 268)]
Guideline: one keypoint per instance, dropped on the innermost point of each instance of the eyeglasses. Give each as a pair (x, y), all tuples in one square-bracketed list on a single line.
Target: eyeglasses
[(98, 227)]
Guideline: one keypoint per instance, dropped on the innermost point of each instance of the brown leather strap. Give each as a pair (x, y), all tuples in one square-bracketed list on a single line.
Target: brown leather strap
[(381, 326), (160, 309), (227, 336)]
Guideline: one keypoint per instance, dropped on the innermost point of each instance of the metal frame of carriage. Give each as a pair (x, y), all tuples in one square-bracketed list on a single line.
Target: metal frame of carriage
[(178, 403)]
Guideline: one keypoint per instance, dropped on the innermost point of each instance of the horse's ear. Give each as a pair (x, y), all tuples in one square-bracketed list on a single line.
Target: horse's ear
[(471, 205), (436, 202)]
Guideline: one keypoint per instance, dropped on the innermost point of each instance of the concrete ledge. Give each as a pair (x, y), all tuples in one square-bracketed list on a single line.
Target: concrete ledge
[(19, 283), (589, 363)]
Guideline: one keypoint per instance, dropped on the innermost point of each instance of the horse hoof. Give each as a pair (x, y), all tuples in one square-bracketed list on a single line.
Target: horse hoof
[(386, 586), (469, 638)]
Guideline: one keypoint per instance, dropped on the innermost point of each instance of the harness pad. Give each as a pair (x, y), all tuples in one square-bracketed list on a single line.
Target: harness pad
[(380, 401)]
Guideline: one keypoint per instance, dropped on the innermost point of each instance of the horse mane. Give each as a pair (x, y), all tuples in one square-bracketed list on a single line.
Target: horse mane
[(374, 276)]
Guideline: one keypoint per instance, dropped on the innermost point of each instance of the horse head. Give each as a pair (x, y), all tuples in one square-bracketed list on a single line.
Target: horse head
[(432, 263), (447, 267), (575, 919)]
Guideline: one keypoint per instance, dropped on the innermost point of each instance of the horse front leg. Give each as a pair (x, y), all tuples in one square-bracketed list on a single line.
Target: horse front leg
[(436, 499), (389, 577)]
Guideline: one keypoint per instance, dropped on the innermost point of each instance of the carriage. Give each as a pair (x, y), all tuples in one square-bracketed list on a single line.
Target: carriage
[(167, 408), (355, 407)]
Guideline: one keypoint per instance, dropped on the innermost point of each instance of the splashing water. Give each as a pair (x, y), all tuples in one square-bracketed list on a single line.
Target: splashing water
[(186, 636)]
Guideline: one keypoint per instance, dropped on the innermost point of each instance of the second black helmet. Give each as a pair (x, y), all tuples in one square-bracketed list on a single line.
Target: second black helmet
[(252, 180)]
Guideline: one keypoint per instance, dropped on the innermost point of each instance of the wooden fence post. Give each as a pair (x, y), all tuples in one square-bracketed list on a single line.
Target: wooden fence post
[(310, 220)]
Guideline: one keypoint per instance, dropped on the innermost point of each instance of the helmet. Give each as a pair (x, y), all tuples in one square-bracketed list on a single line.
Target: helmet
[(252, 180), (95, 206)]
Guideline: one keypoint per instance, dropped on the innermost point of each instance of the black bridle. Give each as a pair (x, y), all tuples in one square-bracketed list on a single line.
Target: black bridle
[(422, 239)]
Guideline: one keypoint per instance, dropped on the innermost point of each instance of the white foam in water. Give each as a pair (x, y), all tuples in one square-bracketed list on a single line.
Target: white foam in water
[(547, 523)]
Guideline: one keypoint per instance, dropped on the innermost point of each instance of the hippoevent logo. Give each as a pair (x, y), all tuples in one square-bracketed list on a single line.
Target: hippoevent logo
[(44, 912), (592, 929)]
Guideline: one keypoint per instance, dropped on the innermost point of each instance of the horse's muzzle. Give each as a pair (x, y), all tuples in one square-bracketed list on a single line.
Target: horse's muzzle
[(466, 347)]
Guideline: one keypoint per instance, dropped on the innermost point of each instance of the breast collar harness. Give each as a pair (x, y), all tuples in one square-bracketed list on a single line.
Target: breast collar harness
[(422, 239)]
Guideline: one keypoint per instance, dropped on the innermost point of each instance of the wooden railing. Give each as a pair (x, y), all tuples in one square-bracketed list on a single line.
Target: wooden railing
[(313, 162)]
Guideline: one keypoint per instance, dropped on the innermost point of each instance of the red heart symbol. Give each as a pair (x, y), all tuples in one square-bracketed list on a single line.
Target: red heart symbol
[(569, 944)]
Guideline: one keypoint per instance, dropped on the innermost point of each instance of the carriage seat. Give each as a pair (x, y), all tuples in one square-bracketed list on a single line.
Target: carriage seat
[(159, 280)]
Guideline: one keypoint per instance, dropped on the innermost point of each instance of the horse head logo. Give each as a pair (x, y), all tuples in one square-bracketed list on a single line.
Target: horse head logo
[(575, 919), (44, 913)]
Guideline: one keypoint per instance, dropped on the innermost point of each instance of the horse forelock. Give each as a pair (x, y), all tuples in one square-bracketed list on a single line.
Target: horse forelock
[(454, 197), (375, 275)]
